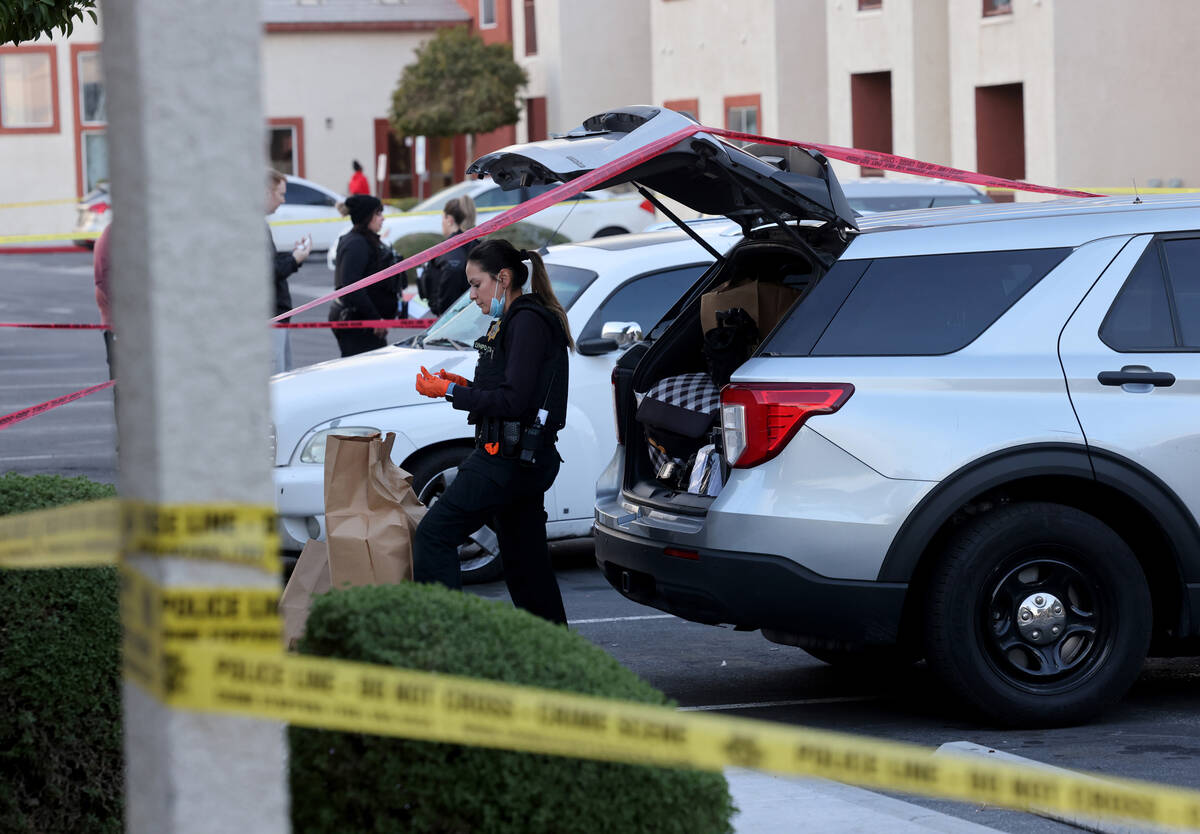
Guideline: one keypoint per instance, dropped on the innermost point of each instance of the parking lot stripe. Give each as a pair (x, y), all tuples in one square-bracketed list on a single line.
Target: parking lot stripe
[(844, 699), (622, 619)]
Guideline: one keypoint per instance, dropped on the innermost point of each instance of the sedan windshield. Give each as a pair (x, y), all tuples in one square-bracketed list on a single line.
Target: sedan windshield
[(464, 322)]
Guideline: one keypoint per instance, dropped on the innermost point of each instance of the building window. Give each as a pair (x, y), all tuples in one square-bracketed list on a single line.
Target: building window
[(530, 29), (742, 113), (28, 90), (285, 145), (867, 5), (535, 118), (995, 7), (689, 107), (487, 14), (91, 89)]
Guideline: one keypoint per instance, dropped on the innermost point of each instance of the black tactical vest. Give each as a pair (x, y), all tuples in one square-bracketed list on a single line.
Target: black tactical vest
[(551, 389)]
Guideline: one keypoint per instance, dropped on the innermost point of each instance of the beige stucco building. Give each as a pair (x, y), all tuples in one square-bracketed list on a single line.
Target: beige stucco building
[(582, 58), (52, 129)]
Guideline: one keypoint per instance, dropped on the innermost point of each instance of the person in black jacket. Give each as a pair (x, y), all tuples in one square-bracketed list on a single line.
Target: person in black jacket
[(360, 253), (517, 403), (445, 278), (284, 264)]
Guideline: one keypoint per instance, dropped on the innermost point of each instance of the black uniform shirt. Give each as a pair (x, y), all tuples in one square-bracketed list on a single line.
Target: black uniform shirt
[(528, 343)]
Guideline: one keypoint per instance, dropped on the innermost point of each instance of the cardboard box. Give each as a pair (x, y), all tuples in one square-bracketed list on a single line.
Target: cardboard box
[(765, 302)]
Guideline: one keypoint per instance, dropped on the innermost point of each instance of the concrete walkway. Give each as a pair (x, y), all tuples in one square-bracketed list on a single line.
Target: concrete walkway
[(779, 805)]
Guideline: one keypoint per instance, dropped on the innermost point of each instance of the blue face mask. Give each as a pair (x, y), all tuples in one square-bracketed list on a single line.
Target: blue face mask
[(496, 307)]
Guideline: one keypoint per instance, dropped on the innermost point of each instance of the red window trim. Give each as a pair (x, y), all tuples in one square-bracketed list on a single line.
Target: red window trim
[(297, 124), (76, 117), (360, 26), (690, 105), (753, 100), (55, 125)]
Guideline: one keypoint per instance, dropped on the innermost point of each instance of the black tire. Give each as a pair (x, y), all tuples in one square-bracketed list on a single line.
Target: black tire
[(609, 231), (479, 559), (1039, 615)]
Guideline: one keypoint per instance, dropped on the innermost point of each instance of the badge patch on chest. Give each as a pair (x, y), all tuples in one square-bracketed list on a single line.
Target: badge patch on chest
[(493, 330)]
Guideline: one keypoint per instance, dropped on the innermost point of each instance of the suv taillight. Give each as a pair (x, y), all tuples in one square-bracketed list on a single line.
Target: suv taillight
[(616, 410), (758, 419)]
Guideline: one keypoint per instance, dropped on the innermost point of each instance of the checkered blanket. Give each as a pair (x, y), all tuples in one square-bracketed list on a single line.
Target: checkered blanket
[(692, 392)]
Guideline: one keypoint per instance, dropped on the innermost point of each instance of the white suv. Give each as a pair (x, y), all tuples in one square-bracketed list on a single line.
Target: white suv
[(974, 438)]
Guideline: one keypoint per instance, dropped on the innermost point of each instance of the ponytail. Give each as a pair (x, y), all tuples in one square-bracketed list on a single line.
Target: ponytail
[(540, 283), (496, 254), (462, 211)]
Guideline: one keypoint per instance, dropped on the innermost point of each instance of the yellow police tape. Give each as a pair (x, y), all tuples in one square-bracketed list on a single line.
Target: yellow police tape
[(40, 238), (33, 203), (355, 697), (98, 532), (218, 649)]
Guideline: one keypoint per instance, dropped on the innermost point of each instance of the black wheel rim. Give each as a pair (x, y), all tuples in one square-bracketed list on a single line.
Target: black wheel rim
[(1046, 620), (483, 548)]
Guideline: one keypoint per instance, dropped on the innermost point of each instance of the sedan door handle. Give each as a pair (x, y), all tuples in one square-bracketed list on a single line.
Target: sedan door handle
[(1159, 379)]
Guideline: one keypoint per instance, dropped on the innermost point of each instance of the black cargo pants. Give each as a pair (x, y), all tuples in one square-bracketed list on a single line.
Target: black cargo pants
[(510, 497)]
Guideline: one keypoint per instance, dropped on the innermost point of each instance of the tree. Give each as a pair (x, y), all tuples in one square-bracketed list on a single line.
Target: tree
[(457, 84), (28, 20)]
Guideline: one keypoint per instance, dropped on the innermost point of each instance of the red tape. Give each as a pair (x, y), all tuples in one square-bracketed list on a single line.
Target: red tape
[(53, 326), (519, 212), (41, 408), (413, 324), (902, 164)]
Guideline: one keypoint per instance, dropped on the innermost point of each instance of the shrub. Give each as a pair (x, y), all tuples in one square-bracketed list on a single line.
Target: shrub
[(60, 683), (343, 782), (520, 235)]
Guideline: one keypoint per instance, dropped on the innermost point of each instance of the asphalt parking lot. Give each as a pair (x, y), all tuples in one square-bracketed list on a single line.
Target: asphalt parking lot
[(1153, 734)]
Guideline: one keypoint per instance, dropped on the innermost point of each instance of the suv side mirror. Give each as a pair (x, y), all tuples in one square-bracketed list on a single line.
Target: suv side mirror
[(614, 335), (624, 333)]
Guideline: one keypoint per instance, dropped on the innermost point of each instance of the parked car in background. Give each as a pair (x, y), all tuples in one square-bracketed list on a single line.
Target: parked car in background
[(588, 215), (971, 436), (309, 209), (94, 213), (873, 194), (630, 280)]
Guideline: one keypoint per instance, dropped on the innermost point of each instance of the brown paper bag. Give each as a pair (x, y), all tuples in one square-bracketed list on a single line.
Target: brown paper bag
[(371, 512), (764, 301), (309, 578)]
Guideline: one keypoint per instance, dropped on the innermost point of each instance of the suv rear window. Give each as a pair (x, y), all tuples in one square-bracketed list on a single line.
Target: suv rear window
[(925, 305)]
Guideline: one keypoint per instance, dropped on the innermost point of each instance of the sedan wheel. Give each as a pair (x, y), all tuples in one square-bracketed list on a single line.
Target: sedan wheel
[(1039, 615), (479, 559)]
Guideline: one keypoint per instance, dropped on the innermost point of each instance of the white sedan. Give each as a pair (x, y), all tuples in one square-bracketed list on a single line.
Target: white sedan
[(588, 215), (309, 209), (630, 278)]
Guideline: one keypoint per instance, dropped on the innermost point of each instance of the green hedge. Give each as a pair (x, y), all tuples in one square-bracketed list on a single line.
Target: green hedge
[(520, 235), (342, 782), (60, 683)]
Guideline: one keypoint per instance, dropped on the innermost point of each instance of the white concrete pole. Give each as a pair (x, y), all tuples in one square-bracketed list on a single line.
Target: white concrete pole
[(190, 288)]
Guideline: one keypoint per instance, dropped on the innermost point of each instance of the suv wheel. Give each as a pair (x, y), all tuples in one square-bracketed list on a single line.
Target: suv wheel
[(1039, 615), (479, 558)]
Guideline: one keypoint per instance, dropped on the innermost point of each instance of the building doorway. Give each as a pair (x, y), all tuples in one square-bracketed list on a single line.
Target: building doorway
[(398, 167), (871, 114), (1000, 133)]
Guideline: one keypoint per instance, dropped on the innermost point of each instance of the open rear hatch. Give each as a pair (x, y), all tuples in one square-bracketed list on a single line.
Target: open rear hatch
[(702, 172)]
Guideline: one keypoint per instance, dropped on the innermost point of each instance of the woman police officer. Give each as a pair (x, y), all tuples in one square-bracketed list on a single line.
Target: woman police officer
[(517, 403)]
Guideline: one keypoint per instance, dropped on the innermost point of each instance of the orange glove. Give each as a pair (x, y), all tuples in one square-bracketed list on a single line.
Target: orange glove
[(455, 378), (430, 385)]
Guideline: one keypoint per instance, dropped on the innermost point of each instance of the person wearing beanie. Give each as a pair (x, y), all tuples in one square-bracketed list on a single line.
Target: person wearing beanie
[(360, 253), (358, 181)]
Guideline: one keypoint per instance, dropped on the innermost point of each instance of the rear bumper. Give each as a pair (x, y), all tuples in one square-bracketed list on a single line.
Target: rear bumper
[(751, 590)]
